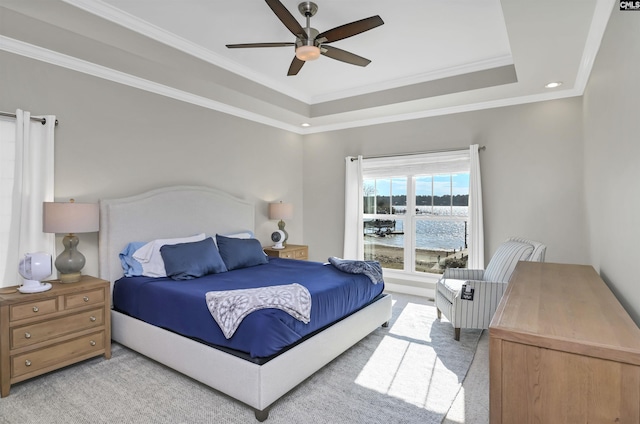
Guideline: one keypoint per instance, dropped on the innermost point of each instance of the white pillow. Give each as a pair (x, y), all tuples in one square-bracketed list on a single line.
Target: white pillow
[(240, 235), (150, 258)]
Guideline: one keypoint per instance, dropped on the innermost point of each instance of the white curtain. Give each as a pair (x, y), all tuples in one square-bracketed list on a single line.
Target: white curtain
[(27, 155), (353, 209), (476, 222)]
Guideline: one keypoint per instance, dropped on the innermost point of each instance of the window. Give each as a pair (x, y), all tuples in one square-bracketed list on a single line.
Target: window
[(416, 222), (398, 208)]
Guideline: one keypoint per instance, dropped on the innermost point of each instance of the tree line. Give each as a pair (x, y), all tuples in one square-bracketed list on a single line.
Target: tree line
[(401, 200)]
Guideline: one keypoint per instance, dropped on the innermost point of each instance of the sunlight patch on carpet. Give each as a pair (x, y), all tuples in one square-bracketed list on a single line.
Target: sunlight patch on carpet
[(406, 363)]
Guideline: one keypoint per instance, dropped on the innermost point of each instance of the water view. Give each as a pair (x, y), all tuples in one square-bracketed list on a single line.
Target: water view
[(439, 243), (441, 234)]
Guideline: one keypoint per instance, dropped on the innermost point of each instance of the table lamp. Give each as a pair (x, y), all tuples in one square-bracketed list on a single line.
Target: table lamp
[(281, 211), (70, 218)]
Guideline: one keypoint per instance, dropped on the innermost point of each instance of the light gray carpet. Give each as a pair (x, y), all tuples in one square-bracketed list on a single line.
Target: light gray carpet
[(410, 372)]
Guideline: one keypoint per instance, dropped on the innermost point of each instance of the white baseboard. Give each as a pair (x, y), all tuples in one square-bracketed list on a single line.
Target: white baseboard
[(412, 290)]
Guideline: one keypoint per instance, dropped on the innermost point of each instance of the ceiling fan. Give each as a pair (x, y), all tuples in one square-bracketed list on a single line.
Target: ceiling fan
[(310, 43)]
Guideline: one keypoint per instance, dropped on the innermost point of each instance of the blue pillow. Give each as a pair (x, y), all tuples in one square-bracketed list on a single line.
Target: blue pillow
[(131, 267), (240, 253), (186, 261)]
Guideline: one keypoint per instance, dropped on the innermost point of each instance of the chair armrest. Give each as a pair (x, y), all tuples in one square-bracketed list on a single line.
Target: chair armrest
[(477, 313), (463, 274), (495, 288)]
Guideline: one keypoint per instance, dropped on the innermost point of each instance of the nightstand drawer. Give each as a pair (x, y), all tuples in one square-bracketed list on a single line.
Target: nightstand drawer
[(296, 254), (76, 300), (290, 251), (300, 254), (57, 354), (33, 309), (36, 333)]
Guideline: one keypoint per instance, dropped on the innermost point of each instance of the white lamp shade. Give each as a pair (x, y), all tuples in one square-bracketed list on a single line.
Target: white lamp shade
[(70, 217), (280, 210)]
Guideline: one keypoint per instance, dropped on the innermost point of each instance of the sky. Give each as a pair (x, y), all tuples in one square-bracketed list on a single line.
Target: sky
[(442, 185)]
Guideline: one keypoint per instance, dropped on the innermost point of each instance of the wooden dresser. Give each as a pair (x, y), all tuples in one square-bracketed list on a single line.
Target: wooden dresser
[(41, 332), (562, 350), (290, 251)]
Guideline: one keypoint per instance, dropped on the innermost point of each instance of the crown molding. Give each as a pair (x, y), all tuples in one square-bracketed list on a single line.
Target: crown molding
[(54, 58), (126, 20), (58, 59), (492, 104), (416, 79), (598, 26), (133, 23)]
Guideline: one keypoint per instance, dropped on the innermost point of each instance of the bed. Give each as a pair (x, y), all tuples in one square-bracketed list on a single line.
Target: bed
[(253, 379)]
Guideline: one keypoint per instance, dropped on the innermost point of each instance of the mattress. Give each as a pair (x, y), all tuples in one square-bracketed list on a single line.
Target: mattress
[(180, 306)]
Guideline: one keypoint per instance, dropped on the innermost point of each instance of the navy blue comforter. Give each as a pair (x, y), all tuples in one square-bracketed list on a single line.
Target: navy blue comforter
[(180, 306)]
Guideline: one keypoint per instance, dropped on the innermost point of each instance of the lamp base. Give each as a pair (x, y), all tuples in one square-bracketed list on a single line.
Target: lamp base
[(73, 277), (286, 235), (70, 262)]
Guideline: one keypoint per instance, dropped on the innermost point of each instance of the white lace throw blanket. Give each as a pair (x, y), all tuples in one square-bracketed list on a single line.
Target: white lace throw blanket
[(229, 307)]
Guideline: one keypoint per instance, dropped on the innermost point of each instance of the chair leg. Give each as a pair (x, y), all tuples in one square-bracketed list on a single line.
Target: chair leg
[(439, 313), (456, 335)]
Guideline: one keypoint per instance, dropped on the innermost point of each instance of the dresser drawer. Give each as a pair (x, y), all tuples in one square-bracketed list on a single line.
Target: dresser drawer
[(36, 333), (55, 355), (77, 300), (33, 309)]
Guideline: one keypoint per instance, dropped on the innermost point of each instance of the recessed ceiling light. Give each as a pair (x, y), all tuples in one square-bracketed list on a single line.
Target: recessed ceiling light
[(306, 124), (554, 84)]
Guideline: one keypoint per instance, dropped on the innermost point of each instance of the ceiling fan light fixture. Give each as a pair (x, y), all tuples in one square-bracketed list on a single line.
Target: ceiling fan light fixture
[(307, 53)]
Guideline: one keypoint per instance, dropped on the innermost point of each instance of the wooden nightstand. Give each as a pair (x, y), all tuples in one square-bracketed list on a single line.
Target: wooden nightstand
[(41, 332), (290, 251)]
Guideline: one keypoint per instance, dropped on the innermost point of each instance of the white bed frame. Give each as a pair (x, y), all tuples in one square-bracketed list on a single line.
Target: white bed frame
[(185, 210)]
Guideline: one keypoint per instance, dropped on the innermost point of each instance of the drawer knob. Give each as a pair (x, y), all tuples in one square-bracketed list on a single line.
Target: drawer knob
[(92, 319), (27, 363), (92, 343), (86, 298), (27, 335), (35, 309)]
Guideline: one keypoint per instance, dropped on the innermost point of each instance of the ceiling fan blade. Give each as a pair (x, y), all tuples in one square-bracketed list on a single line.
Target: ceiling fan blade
[(250, 45), (344, 56), (351, 29), (287, 19), (295, 67)]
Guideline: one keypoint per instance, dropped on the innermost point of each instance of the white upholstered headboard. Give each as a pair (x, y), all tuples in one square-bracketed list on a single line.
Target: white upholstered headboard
[(168, 212)]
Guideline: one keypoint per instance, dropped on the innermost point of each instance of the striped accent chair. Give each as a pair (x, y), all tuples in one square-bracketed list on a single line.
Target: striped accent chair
[(468, 298)]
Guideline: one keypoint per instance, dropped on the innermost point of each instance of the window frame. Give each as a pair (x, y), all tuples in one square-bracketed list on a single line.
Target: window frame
[(411, 218), (411, 166)]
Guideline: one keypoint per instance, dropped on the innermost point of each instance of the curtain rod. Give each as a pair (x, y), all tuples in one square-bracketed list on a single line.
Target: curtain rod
[(420, 153), (33, 118)]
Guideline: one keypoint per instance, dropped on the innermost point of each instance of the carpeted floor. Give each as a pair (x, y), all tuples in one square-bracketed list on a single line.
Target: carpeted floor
[(410, 372)]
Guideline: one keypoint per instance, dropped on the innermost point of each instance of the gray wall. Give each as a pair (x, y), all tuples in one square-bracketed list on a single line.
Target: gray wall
[(612, 158), (115, 141), (561, 172), (531, 173)]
